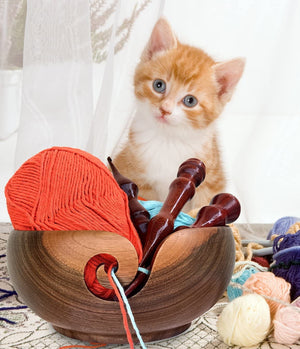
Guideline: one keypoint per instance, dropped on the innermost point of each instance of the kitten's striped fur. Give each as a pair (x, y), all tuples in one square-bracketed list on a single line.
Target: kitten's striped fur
[(165, 132)]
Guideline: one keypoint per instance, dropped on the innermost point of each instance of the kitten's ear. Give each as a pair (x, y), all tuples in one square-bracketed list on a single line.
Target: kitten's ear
[(227, 75), (162, 39)]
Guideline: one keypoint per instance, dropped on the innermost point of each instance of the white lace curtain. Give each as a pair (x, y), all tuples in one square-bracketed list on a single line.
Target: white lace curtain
[(74, 66)]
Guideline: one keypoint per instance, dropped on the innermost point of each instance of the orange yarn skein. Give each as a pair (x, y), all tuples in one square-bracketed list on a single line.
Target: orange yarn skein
[(267, 284), (68, 189)]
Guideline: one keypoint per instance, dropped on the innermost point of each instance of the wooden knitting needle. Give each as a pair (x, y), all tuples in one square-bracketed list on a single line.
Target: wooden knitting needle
[(191, 174), (223, 209)]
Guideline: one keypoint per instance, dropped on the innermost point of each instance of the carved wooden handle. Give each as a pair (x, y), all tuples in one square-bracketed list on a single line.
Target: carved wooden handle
[(224, 208), (190, 174), (138, 214)]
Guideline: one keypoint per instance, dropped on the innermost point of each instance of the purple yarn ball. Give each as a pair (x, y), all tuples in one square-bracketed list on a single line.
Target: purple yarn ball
[(283, 242), (286, 261), (282, 225)]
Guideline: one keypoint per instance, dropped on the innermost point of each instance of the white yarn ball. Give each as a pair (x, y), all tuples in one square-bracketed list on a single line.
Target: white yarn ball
[(245, 321)]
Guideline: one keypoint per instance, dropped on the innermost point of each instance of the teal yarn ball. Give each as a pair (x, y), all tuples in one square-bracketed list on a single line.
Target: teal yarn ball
[(241, 277), (153, 207)]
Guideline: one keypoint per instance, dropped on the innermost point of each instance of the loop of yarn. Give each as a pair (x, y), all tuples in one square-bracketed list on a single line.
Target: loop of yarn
[(239, 253), (267, 284), (250, 247), (245, 321), (287, 324), (68, 189), (283, 242)]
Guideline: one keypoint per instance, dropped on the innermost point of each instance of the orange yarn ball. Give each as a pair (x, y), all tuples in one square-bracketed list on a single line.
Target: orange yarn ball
[(68, 189), (267, 284)]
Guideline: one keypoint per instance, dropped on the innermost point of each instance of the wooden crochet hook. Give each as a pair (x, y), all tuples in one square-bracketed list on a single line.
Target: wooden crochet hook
[(191, 174), (138, 214)]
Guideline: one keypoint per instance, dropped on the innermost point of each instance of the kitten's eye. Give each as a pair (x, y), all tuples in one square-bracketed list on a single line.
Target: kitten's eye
[(159, 86), (190, 101)]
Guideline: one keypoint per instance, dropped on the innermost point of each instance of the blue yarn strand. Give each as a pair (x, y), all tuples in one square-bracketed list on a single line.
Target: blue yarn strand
[(13, 308), (128, 308), (153, 207), (144, 270), (7, 321), (7, 293)]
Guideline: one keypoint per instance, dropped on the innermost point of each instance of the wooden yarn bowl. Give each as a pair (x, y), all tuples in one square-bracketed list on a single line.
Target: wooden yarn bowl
[(191, 270)]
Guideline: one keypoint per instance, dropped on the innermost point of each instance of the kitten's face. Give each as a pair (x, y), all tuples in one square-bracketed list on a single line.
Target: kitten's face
[(179, 88), (181, 85)]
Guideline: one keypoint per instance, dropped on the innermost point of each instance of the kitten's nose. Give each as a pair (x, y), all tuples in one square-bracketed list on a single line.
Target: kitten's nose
[(166, 107)]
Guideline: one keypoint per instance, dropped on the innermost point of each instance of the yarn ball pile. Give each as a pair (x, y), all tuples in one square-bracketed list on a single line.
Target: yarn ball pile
[(245, 321), (278, 286), (68, 189), (273, 290)]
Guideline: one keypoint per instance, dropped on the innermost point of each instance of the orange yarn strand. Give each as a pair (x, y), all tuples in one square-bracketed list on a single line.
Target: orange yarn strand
[(122, 307)]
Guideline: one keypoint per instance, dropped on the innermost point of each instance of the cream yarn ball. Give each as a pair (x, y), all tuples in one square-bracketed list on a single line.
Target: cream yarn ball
[(245, 321)]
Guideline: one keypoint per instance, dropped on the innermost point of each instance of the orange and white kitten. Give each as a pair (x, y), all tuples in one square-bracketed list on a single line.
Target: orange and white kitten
[(180, 93)]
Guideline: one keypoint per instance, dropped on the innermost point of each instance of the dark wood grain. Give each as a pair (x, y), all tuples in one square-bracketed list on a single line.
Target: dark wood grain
[(190, 272)]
